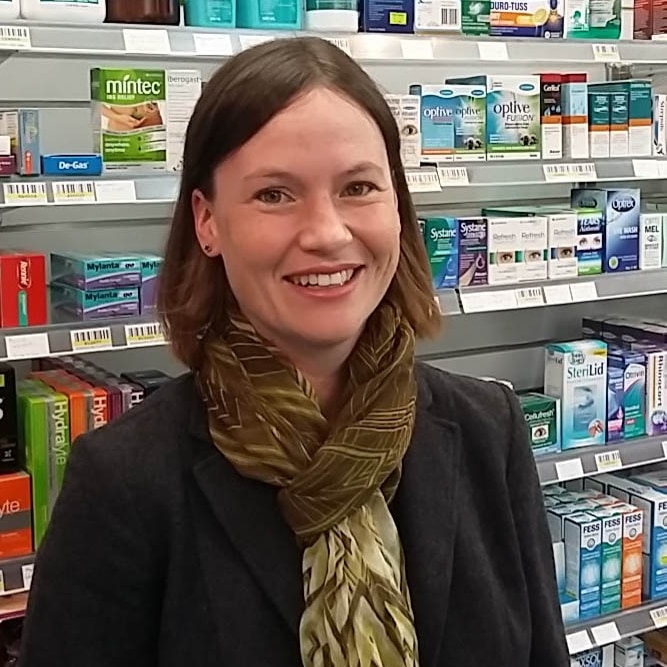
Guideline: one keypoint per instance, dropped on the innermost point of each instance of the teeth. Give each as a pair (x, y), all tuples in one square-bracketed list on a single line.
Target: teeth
[(323, 279)]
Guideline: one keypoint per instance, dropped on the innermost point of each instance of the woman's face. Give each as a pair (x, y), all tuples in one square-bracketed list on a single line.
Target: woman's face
[(305, 218)]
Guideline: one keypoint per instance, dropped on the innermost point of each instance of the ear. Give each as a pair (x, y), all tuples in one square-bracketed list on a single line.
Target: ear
[(205, 227)]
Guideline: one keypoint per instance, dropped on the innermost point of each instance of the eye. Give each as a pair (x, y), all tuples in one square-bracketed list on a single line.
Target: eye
[(359, 189), (566, 252), (272, 196), (535, 255)]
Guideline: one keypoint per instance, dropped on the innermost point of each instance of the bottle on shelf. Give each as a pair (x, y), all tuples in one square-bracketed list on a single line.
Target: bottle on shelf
[(9, 9), (268, 14), (156, 12), (69, 11), (210, 13)]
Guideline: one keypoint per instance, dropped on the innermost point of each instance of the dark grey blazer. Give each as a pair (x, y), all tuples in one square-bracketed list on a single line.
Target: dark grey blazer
[(159, 553)]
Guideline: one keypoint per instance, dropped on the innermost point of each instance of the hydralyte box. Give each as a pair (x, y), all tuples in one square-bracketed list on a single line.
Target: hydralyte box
[(583, 561), (473, 236), (15, 515), (614, 404), (96, 304), (94, 272), (632, 364)]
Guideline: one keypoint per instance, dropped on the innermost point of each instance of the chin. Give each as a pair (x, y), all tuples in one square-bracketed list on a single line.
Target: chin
[(328, 334)]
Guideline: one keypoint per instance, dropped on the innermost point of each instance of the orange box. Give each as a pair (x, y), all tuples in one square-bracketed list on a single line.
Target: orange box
[(15, 515), (632, 555)]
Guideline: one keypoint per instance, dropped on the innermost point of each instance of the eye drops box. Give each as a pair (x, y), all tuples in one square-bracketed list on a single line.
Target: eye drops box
[(551, 116), (583, 562), (599, 119), (542, 415), (614, 404), (562, 228), (650, 241), (533, 254), (631, 579), (442, 251), (619, 126), (590, 241), (574, 95), (406, 112), (576, 373), (632, 365), (473, 236), (183, 90), (656, 389), (612, 554), (503, 252)]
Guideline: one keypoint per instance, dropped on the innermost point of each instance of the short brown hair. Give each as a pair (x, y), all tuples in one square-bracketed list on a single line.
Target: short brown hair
[(241, 97)]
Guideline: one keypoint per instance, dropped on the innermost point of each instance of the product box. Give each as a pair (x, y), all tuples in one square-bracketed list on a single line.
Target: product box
[(612, 553), (619, 126), (183, 90), (22, 127), (640, 93), (407, 113), (650, 241), (22, 289), (641, 19), (631, 582), (615, 379), (503, 251), (583, 561), (569, 608), (574, 96), (542, 415), (562, 231), (632, 365), (8, 168), (95, 272), (95, 304), (534, 18), (629, 652), (591, 327), (551, 116), (438, 16), (473, 235), (599, 120), (442, 251), (556, 519), (72, 165), (386, 16), (15, 515), (576, 373), (659, 124), (129, 112), (150, 380), (590, 241), (658, 17), (559, 561), (513, 129), (150, 270), (534, 248), (475, 17), (9, 434), (577, 16), (656, 389)]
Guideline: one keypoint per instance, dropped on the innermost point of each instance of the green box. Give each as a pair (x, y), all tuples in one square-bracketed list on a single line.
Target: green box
[(542, 415), (599, 119), (475, 17)]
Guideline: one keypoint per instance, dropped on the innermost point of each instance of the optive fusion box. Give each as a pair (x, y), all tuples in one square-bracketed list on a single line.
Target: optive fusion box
[(22, 289), (15, 515), (96, 272)]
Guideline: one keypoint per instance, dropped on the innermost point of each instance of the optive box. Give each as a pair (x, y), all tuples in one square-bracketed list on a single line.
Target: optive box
[(504, 249), (612, 553), (576, 373), (551, 116), (95, 304), (542, 415), (15, 515), (87, 164), (574, 94), (614, 404), (534, 18), (150, 270), (632, 364), (406, 110), (473, 236), (442, 251), (599, 120), (96, 272), (22, 126), (9, 435), (650, 241), (22, 289), (386, 16), (583, 556), (633, 527)]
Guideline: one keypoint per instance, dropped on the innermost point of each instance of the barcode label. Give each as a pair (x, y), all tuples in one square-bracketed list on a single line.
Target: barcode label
[(210, 44), (659, 617), (342, 43), (450, 176), (25, 194), (529, 297), (73, 192), (607, 461), (146, 41), (26, 573), (14, 37), (147, 333), (27, 346), (572, 469), (423, 181), (87, 340), (449, 16), (606, 53), (418, 48), (566, 173), (586, 291)]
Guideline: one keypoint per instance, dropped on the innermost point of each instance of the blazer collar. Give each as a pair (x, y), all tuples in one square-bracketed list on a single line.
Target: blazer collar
[(424, 510)]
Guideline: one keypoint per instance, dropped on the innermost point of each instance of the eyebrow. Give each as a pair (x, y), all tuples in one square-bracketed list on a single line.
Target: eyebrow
[(279, 174)]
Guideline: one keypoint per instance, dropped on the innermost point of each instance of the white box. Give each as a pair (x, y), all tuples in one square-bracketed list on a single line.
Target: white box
[(659, 124), (562, 240), (629, 652), (534, 248), (650, 241), (405, 109), (583, 561), (183, 91), (559, 562), (504, 246)]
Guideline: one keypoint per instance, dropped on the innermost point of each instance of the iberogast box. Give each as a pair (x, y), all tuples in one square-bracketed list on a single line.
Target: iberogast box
[(22, 289), (15, 515)]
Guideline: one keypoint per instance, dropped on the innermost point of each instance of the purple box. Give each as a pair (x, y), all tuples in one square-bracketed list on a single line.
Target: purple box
[(150, 269), (473, 236)]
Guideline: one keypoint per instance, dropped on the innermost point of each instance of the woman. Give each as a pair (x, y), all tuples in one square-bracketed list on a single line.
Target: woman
[(307, 495)]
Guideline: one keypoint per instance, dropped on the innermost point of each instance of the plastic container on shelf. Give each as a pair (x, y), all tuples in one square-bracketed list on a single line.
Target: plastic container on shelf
[(152, 12), (210, 13), (9, 10), (69, 11), (268, 14), (331, 15)]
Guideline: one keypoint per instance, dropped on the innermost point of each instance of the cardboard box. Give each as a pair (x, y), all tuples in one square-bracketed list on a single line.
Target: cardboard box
[(15, 515), (386, 16), (22, 126), (22, 289), (9, 434)]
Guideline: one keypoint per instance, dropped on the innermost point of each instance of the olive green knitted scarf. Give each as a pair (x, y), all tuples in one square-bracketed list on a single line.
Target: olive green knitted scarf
[(335, 479)]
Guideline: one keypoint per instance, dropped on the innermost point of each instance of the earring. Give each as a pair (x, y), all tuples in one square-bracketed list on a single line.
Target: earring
[(207, 249)]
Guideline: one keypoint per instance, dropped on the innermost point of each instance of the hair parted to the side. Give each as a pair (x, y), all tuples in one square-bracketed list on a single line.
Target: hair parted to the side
[(241, 97)]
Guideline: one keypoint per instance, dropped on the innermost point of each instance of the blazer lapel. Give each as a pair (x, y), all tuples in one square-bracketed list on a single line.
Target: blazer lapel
[(426, 515), (249, 513)]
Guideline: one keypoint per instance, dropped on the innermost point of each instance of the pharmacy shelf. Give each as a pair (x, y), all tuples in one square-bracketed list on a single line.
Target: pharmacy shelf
[(612, 627), (13, 606), (188, 43), (587, 461), (15, 576), (56, 340)]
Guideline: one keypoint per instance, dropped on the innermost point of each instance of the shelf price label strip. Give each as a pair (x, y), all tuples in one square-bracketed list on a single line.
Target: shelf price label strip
[(27, 346), (91, 340), (154, 42), (25, 194), (453, 176), (14, 37), (74, 192), (608, 461), (423, 181), (568, 173), (659, 617), (578, 642), (147, 333)]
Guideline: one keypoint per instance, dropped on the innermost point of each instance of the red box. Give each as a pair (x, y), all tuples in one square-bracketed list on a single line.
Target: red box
[(22, 289), (643, 19)]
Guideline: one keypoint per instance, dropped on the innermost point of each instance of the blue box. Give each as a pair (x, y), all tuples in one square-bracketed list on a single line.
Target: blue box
[(91, 272), (386, 15), (615, 382), (72, 165), (633, 366), (442, 249), (94, 304)]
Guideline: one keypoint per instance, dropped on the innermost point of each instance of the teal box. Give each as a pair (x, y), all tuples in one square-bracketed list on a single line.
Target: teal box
[(612, 553), (442, 250), (95, 304), (150, 270), (91, 272), (633, 366), (619, 126)]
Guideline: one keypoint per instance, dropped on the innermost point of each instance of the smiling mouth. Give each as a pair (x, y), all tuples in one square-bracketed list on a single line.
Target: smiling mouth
[(335, 279)]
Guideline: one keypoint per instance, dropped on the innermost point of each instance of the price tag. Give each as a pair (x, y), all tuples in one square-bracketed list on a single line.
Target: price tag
[(578, 642), (26, 573), (74, 192), (115, 192), (606, 634), (482, 302), (659, 617), (343, 43), (607, 461), (555, 294), (89, 340), (569, 173), (492, 51), (14, 37), (419, 48), (248, 41), (2, 582), (146, 41), (27, 346), (645, 168), (453, 176), (583, 292), (529, 297), (606, 53), (145, 333), (571, 469), (664, 448), (211, 44), (25, 194), (423, 181), (662, 168)]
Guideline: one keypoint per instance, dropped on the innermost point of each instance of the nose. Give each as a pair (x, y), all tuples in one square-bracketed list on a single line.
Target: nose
[(324, 228)]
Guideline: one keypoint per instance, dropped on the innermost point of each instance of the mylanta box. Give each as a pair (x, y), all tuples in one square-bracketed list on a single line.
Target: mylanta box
[(91, 272), (576, 373), (150, 270), (542, 415), (583, 561), (95, 304)]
